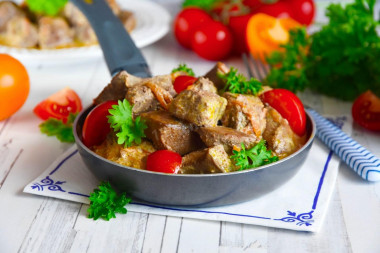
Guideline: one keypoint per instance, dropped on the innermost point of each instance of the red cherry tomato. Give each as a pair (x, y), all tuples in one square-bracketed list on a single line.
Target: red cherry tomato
[(186, 22), (182, 82), (253, 4), (366, 111), (289, 106), (303, 11), (165, 161), (96, 127), (212, 41), (279, 9), (238, 27), (59, 105)]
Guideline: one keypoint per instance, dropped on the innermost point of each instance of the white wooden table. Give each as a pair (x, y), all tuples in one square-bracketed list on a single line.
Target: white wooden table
[(30, 223)]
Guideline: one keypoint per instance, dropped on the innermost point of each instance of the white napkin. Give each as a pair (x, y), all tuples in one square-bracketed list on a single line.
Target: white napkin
[(300, 204)]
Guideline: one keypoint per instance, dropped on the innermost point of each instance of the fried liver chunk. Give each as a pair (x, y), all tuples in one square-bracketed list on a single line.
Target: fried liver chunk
[(167, 132), (228, 137), (245, 113), (202, 108), (207, 161), (204, 84), (54, 32), (279, 136), (214, 75)]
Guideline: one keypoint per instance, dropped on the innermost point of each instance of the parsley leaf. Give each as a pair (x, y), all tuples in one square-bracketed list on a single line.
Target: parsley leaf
[(184, 68), (127, 129), (46, 7), (254, 157), (237, 83), (340, 60), (55, 127), (203, 4), (104, 202)]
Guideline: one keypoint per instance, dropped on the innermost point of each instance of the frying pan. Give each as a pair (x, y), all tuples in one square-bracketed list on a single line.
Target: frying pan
[(172, 189)]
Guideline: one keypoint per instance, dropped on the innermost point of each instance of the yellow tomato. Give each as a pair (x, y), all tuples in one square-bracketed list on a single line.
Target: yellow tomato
[(14, 85)]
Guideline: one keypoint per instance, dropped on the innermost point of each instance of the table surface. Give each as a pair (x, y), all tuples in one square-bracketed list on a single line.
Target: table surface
[(30, 223)]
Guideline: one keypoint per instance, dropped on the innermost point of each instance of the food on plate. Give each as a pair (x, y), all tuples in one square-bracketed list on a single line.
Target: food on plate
[(58, 112), (366, 111), (220, 123), (14, 85), (35, 24), (218, 28), (339, 60)]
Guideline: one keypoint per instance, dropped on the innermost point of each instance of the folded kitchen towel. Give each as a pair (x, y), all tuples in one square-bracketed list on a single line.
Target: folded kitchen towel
[(300, 204)]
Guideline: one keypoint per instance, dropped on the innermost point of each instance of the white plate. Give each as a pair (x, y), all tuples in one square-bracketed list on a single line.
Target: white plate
[(152, 23)]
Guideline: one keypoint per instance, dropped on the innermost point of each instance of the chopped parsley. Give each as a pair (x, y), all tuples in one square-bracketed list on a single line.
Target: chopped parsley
[(184, 68), (46, 7), (254, 157), (55, 127), (237, 83)]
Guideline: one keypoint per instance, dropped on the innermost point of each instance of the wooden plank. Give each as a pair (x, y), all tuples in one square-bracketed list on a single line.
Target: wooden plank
[(171, 234)]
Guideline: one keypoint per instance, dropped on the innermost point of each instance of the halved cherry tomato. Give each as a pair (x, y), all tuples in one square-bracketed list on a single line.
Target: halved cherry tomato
[(96, 127), (303, 10), (182, 82), (212, 41), (186, 22), (14, 85), (59, 105), (289, 106), (366, 111), (265, 34), (165, 161)]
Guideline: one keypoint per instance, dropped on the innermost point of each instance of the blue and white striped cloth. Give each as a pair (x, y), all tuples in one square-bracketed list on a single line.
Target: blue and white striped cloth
[(355, 155)]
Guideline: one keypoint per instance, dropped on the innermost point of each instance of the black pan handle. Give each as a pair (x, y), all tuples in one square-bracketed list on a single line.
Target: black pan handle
[(120, 52)]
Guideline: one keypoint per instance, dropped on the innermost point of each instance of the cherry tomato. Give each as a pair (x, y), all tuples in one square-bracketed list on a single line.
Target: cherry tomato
[(14, 85), (366, 111), (186, 22), (289, 106), (165, 161), (96, 127), (182, 82), (279, 9), (253, 4), (59, 105), (238, 27), (212, 41), (303, 10)]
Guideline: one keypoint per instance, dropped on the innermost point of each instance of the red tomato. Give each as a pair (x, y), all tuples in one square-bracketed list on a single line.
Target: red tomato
[(212, 41), (303, 11), (253, 4), (279, 9), (59, 105), (289, 106), (14, 85), (186, 22), (96, 127), (165, 161), (238, 27), (182, 82), (366, 111)]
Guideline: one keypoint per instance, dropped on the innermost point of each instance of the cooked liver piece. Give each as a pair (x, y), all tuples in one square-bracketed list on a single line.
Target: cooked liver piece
[(203, 83), (142, 99), (279, 136), (202, 108), (219, 69), (167, 132), (54, 32), (117, 88), (8, 10), (228, 137), (206, 161), (245, 113), (20, 32)]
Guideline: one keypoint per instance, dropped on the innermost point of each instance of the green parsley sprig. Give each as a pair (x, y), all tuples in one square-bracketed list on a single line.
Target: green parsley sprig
[(184, 68), (341, 59), (128, 130), (55, 127), (46, 7), (254, 157), (203, 4), (105, 202), (237, 83)]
